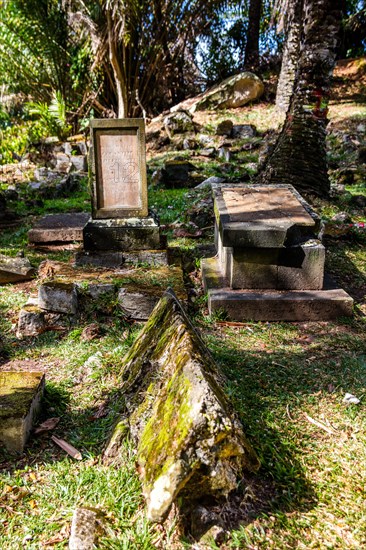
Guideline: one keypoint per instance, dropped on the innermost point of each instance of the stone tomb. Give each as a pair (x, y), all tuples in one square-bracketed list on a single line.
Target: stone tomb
[(269, 263), (120, 220), (20, 396)]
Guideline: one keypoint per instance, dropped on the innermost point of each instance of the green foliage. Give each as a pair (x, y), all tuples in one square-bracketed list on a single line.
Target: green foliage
[(13, 140), (53, 116)]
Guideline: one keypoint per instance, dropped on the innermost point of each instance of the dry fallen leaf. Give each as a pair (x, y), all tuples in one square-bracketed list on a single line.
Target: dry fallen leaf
[(47, 425), (69, 449)]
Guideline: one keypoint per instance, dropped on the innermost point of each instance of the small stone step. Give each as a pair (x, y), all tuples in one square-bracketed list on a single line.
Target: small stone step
[(20, 395), (290, 305)]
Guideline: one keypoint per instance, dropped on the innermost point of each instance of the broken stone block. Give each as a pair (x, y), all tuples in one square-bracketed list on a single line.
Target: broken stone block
[(58, 296), (13, 270), (190, 443), (20, 395), (83, 529), (31, 321), (136, 304)]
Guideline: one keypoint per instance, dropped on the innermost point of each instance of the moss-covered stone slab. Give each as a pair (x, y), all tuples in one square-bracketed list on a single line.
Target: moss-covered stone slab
[(189, 440), (20, 395)]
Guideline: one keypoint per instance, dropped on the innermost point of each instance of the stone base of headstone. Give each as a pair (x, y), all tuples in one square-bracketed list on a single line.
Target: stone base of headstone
[(20, 396), (59, 228), (122, 235), (271, 304)]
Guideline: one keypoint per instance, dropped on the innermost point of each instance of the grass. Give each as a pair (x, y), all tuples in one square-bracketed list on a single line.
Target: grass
[(310, 490)]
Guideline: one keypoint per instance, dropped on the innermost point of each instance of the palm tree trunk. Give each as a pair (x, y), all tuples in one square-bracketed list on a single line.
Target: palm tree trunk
[(299, 155), (251, 57), (290, 55), (119, 77)]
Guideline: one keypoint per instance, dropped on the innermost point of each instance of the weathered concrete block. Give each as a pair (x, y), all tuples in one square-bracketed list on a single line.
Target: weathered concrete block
[(13, 270), (83, 529), (20, 395), (136, 304), (58, 296), (189, 441), (31, 321)]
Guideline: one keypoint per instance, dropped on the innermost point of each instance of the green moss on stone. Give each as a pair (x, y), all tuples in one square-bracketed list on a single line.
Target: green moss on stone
[(17, 390), (167, 429)]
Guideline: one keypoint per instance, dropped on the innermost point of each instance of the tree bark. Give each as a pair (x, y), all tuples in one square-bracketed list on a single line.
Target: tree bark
[(120, 80), (251, 57), (299, 155), (290, 55)]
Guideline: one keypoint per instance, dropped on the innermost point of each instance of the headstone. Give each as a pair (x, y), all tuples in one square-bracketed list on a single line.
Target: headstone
[(20, 395), (120, 220), (119, 169), (270, 262)]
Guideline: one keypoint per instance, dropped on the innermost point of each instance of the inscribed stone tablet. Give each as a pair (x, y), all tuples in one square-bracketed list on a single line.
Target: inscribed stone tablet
[(119, 168)]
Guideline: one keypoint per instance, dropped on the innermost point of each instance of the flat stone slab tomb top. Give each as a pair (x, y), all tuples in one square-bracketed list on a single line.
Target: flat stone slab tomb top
[(263, 216), (270, 263), (20, 395)]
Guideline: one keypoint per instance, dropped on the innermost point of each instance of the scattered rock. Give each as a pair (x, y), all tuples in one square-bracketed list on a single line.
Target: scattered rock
[(224, 128), (179, 122), (83, 529), (58, 296), (224, 154), (79, 163), (209, 181), (176, 174), (13, 270), (341, 217), (205, 140), (190, 443), (210, 152), (189, 144), (31, 321), (242, 131), (235, 91)]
